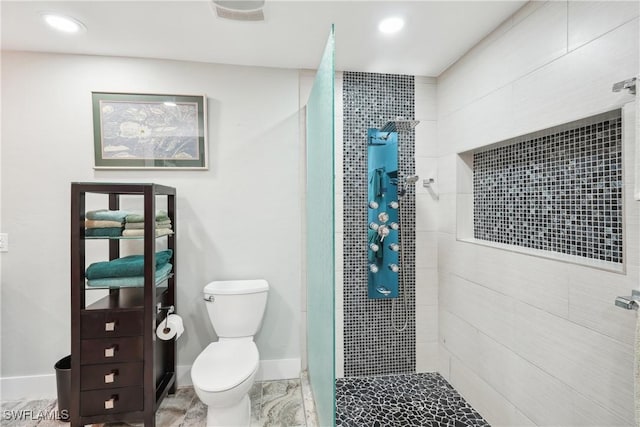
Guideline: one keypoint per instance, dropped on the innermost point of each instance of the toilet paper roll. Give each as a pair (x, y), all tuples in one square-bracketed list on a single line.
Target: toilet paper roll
[(171, 327)]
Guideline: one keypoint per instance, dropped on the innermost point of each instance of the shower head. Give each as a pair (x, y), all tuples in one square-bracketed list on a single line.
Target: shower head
[(409, 180), (399, 125)]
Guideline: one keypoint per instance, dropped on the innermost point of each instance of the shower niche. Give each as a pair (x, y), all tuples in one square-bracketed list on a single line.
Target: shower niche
[(383, 214)]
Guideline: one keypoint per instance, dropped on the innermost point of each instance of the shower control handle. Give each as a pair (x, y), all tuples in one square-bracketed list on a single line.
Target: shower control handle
[(383, 231)]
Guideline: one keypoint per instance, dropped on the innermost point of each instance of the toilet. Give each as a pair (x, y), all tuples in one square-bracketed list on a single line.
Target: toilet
[(225, 370)]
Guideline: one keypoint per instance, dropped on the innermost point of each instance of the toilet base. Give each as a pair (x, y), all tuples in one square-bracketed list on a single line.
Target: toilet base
[(238, 415)]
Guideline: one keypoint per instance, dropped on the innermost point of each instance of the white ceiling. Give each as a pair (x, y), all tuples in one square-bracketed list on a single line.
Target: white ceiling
[(293, 34)]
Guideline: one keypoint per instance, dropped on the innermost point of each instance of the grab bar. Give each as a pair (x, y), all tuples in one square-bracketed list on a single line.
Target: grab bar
[(629, 302)]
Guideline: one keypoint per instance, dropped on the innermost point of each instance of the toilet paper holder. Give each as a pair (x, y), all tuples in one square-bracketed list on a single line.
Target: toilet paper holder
[(169, 308)]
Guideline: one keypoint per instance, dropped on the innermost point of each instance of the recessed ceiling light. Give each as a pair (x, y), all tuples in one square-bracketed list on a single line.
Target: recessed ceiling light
[(391, 25), (63, 23)]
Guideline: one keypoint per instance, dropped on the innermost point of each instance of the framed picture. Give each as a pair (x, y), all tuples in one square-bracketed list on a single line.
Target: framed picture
[(142, 131)]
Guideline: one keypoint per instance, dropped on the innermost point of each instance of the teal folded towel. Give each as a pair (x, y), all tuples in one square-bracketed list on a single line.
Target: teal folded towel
[(132, 265), (136, 217), (107, 215), (130, 282), (103, 232)]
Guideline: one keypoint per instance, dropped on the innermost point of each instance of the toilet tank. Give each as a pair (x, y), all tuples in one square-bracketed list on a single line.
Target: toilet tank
[(236, 307)]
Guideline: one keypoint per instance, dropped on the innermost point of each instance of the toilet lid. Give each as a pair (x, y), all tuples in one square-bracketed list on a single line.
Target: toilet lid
[(223, 365)]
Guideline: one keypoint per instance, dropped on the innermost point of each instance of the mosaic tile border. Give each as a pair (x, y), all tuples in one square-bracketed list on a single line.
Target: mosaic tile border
[(404, 401), (371, 346), (558, 190)]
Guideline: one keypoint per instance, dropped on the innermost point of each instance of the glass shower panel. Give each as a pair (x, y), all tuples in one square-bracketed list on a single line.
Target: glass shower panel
[(320, 237)]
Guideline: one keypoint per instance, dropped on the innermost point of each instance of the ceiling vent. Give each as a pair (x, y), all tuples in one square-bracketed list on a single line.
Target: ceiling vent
[(240, 10)]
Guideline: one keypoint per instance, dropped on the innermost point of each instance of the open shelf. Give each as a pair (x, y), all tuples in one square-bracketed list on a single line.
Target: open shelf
[(124, 298)]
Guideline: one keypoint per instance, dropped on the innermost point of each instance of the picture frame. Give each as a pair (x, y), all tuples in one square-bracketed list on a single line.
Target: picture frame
[(149, 131)]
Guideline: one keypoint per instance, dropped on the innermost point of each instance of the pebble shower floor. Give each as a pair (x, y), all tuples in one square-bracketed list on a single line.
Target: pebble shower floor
[(402, 400)]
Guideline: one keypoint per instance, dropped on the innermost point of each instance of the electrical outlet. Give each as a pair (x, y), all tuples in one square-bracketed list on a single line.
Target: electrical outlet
[(4, 242)]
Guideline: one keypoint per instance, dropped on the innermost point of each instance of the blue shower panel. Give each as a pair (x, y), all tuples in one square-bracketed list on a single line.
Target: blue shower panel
[(382, 161)]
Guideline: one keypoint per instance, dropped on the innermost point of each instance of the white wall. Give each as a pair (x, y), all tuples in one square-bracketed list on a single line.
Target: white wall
[(427, 221), (531, 341), (240, 219)]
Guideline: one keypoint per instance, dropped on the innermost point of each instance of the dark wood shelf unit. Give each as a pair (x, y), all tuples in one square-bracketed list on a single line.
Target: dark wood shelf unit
[(120, 371)]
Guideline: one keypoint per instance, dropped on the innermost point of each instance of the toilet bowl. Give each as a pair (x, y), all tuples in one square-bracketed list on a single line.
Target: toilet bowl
[(225, 370)]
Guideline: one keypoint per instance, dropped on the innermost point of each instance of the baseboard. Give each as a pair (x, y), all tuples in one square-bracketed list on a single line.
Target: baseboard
[(28, 387), (278, 369), (44, 386)]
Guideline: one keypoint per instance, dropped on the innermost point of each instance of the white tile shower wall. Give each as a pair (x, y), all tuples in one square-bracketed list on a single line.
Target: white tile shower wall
[(505, 415), (589, 20), (522, 337), (426, 151)]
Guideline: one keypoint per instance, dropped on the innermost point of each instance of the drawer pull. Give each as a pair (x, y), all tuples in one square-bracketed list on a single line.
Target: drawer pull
[(110, 351), (110, 326), (110, 377), (111, 403)]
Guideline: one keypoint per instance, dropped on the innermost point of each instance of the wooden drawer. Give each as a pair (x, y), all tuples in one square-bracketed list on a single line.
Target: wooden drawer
[(111, 350), (110, 375), (111, 401), (102, 324)]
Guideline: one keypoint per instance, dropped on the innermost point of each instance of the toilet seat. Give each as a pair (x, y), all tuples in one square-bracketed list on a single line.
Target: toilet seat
[(224, 365)]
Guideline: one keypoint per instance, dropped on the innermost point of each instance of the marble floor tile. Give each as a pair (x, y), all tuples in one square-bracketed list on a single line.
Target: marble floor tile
[(273, 403), (28, 413), (308, 403), (282, 404), (255, 395), (196, 415)]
